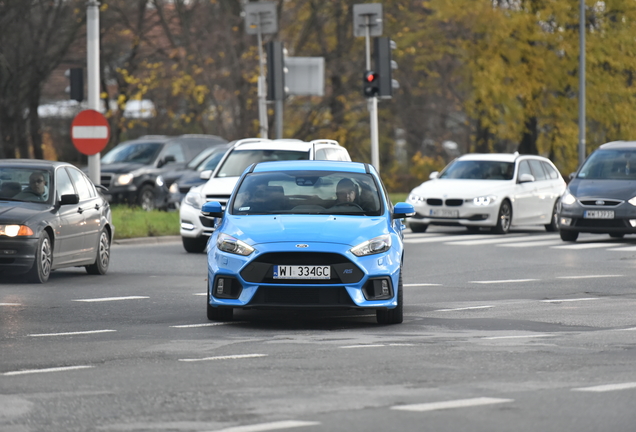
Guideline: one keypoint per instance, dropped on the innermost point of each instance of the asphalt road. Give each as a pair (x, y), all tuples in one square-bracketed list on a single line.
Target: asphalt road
[(518, 332)]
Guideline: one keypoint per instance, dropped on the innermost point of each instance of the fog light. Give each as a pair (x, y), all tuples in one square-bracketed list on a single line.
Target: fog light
[(219, 286), (565, 221), (385, 287), (632, 222), (187, 226)]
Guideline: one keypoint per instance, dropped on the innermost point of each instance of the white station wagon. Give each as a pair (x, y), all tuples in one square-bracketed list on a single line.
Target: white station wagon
[(489, 190)]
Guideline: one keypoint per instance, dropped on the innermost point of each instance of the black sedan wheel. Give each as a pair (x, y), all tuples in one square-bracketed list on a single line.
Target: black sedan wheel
[(147, 198), (396, 315), (569, 236), (100, 266), (418, 228), (41, 269), (194, 245), (504, 218)]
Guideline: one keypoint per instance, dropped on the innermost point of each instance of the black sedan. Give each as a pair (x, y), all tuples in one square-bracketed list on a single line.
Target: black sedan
[(51, 216)]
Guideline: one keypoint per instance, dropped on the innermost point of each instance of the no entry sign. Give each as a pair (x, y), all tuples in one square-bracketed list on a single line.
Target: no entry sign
[(90, 132)]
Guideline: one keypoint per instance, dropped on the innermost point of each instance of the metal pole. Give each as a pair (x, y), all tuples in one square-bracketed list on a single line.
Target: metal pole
[(92, 71), (582, 82), (279, 119), (262, 82), (372, 106)]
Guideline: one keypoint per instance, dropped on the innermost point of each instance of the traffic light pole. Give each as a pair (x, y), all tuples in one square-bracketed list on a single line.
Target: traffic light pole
[(92, 71), (262, 93), (372, 104)]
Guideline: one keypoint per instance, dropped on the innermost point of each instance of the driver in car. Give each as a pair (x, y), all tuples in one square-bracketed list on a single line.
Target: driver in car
[(36, 189), (346, 192)]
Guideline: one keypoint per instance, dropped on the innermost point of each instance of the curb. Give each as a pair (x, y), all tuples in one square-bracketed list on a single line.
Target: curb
[(147, 240)]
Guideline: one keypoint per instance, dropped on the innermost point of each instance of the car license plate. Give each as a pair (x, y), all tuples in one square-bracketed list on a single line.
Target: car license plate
[(444, 213), (599, 214), (302, 272)]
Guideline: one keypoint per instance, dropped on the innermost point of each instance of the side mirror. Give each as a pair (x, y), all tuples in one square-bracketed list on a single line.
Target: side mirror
[(433, 175), (526, 178), (403, 210), (212, 209), (69, 199), (572, 175), (166, 160), (205, 174)]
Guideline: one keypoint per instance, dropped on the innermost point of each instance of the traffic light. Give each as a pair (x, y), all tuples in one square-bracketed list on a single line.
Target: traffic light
[(370, 84), (275, 71), (384, 65), (76, 83)]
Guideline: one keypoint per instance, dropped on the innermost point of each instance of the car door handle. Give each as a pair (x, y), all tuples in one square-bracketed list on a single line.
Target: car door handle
[(96, 206), (80, 210)]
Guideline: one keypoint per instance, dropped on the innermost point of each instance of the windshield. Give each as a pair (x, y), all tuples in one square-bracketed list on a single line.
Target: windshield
[(143, 153), (211, 162), (238, 160), (302, 192), (24, 184), (478, 170), (198, 159), (617, 164)]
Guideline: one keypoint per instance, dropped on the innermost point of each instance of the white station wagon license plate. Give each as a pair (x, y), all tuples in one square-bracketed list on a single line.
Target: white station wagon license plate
[(444, 213), (599, 214), (302, 272)]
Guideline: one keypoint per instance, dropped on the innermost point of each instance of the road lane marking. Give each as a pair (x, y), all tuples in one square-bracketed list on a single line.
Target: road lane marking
[(508, 239), (569, 300), (207, 324), (421, 284), (71, 333), (57, 369), (463, 308), (230, 357), (460, 403), (607, 387), (445, 239), (285, 424), (518, 337), (10, 304), (526, 244), (103, 299), (624, 249), (375, 345), (585, 246), (627, 329), (588, 276), (200, 294), (504, 281)]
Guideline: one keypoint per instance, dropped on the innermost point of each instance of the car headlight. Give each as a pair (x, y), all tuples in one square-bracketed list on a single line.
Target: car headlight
[(568, 199), (194, 199), (374, 246), (124, 179), (415, 199), (230, 244), (484, 200), (15, 230), (159, 181), (174, 188), (632, 201)]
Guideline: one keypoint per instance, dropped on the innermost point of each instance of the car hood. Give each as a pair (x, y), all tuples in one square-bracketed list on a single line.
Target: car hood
[(121, 167), (616, 189), (451, 188), (10, 213), (349, 230), (219, 186)]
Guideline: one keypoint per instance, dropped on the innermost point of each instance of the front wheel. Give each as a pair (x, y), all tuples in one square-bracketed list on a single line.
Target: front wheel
[(396, 315), (100, 266), (217, 313), (194, 244), (418, 227), (504, 218), (146, 198), (569, 236), (41, 269)]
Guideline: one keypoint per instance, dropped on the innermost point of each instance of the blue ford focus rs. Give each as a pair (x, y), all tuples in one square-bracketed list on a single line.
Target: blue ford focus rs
[(307, 234)]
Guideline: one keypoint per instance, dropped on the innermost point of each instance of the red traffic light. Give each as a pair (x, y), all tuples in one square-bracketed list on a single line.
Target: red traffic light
[(370, 76), (370, 83)]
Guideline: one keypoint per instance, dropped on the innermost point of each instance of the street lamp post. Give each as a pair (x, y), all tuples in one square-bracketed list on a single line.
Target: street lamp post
[(582, 82)]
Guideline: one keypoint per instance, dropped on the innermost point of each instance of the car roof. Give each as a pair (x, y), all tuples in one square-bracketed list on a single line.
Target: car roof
[(312, 165), (281, 144), (498, 157), (32, 163), (619, 145)]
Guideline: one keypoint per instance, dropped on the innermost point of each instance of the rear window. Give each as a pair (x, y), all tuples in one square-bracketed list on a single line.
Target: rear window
[(238, 160)]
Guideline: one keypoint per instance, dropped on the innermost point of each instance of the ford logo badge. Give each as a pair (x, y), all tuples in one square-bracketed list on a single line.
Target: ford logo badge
[(600, 202), (302, 246)]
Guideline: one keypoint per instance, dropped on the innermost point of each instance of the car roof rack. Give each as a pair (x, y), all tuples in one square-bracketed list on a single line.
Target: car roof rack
[(324, 141), (250, 141)]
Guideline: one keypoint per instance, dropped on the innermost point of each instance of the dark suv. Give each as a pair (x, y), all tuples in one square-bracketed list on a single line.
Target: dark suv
[(130, 170)]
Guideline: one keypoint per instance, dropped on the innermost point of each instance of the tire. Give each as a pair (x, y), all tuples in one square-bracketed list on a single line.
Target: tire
[(102, 259), (554, 221), (504, 218), (418, 228), (473, 229), (569, 236), (396, 315), (617, 235), (146, 198), (194, 245), (41, 269), (218, 313)]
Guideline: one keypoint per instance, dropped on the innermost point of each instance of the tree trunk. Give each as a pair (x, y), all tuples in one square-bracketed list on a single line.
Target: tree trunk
[(528, 143)]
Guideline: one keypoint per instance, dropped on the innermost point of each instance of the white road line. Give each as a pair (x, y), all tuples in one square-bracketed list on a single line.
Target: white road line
[(607, 387), (111, 299), (72, 333), (504, 281), (285, 424), (627, 329), (569, 300), (445, 239), (460, 403), (623, 249), (463, 308), (57, 369), (518, 337), (585, 246), (508, 239), (375, 345), (526, 244), (200, 294), (230, 357), (422, 284), (588, 276), (207, 324), (10, 304)]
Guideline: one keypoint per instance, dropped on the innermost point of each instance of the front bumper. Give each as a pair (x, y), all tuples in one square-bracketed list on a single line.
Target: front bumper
[(350, 287), (572, 218), (122, 194), (465, 214), (17, 254), (192, 224)]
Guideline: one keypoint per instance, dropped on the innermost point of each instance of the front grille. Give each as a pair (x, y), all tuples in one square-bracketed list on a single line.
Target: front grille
[(310, 297), (434, 201), (601, 203), (223, 199), (106, 180), (601, 223), (454, 202), (208, 223)]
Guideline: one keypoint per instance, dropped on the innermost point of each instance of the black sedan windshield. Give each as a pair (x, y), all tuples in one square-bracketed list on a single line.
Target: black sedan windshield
[(143, 153), (619, 164)]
